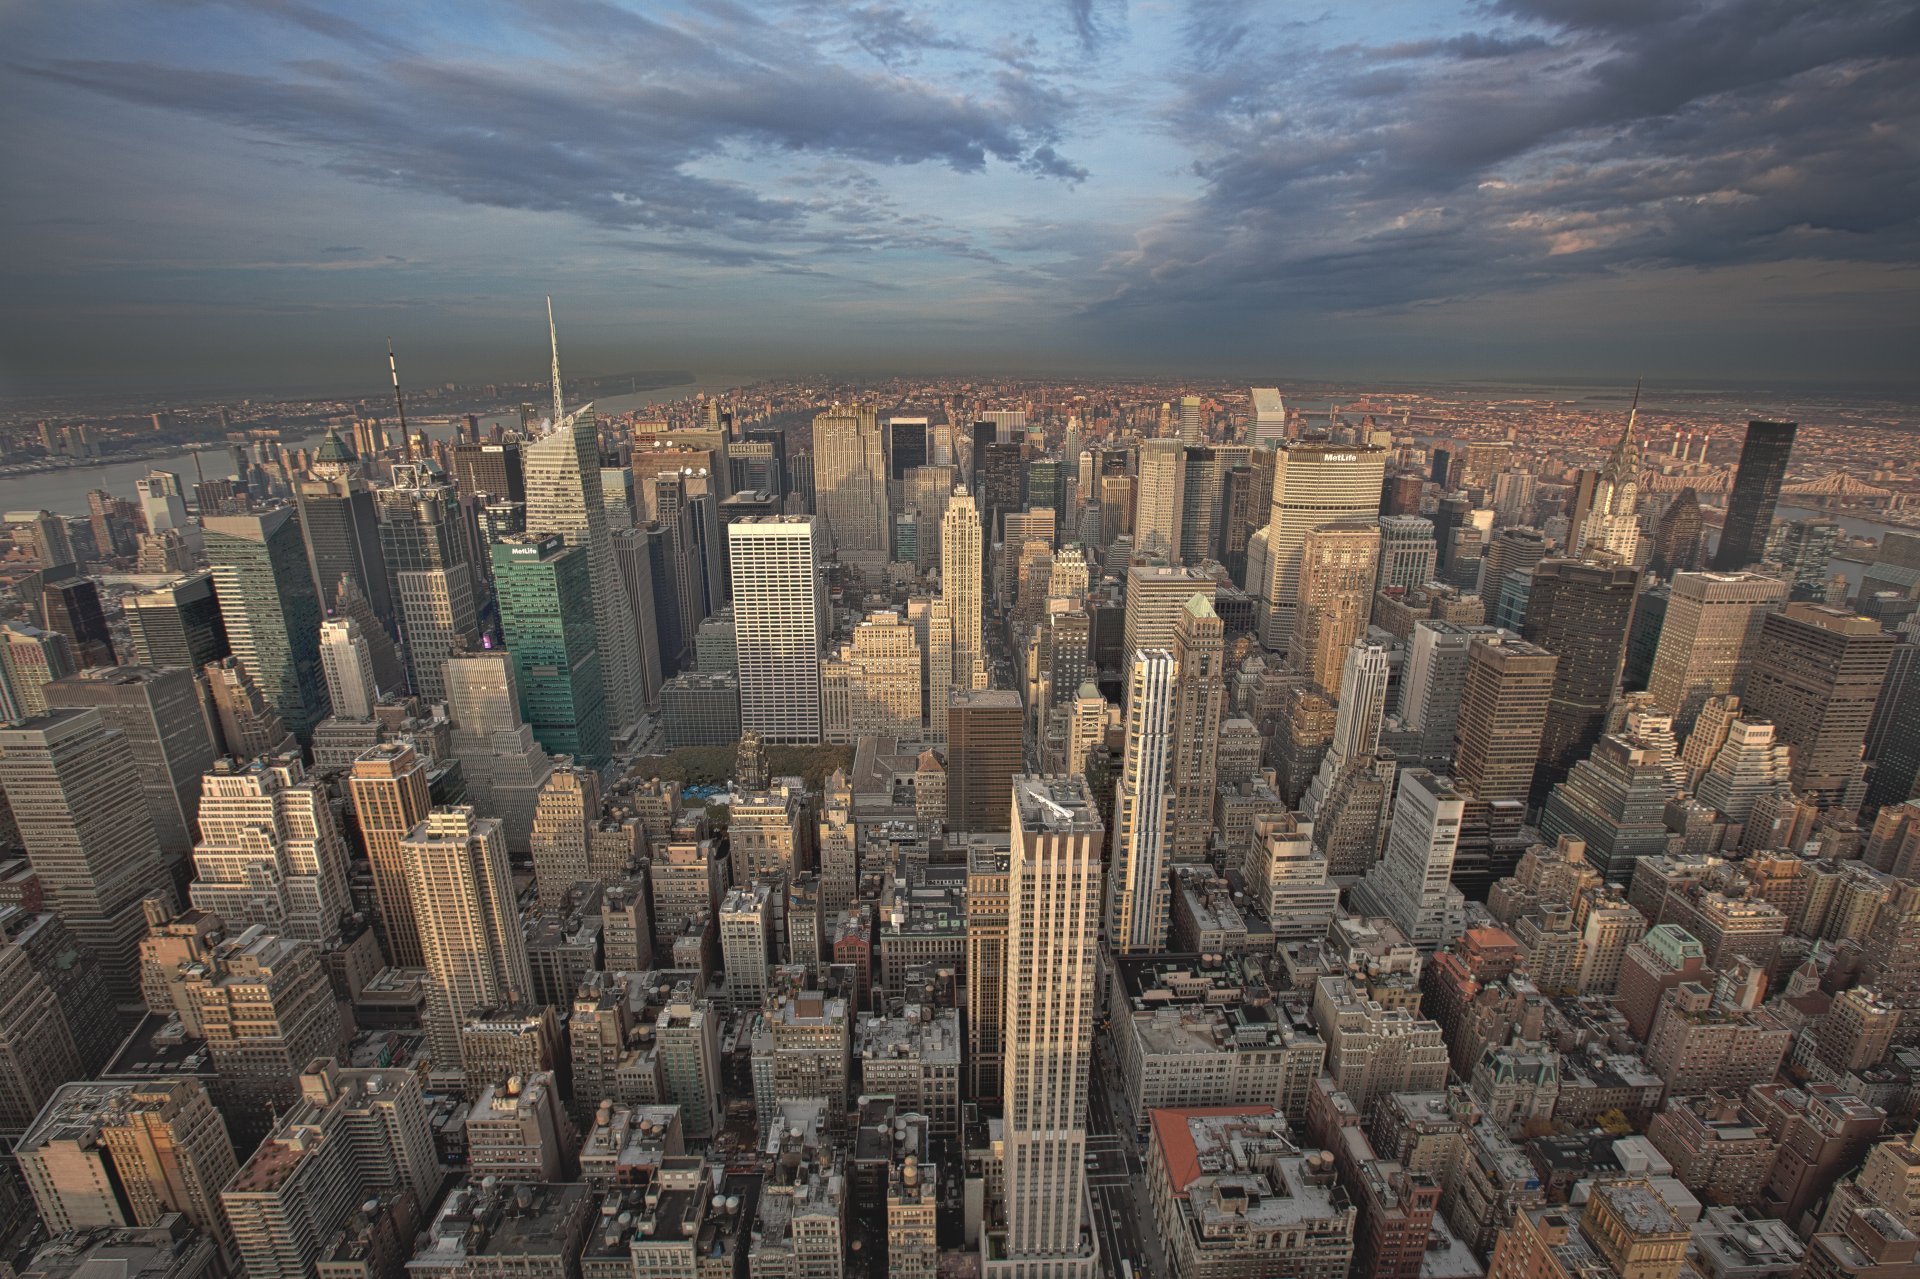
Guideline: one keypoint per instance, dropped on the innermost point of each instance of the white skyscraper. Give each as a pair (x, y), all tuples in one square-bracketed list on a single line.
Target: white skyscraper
[(1314, 483), (504, 767), (1137, 893), (1612, 526), (1158, 505), (161, 501), (1412, 884), (779, 623), (564, 496), (1269, 416), (960, 588), (1356, 726), (464, 906), (347, 663), (1052, 962), (270, 852)]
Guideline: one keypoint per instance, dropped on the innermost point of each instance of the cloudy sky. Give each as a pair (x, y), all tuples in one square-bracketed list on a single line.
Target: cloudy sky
[(257, 192)]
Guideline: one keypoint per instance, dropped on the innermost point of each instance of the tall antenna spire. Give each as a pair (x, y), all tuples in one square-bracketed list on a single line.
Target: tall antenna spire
[(553, 336), (393, 367)]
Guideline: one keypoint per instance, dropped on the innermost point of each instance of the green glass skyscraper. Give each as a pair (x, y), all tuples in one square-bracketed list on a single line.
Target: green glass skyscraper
[(546, 616)]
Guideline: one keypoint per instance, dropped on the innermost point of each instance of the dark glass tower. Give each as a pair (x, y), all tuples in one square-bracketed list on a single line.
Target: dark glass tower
[(1756, 490), (1582, 612)]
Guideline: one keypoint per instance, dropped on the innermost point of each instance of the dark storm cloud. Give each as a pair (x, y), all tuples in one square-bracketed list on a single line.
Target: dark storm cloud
[(1582, 138), (617, 134)]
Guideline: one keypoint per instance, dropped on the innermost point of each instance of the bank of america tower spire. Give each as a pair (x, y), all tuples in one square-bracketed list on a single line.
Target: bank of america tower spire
[(564, 497)]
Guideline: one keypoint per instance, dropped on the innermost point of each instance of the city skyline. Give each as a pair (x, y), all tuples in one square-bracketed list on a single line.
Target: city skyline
[(1526, 189)]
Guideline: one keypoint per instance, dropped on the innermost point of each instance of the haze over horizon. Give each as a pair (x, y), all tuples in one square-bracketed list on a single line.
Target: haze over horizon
[(258, 192)]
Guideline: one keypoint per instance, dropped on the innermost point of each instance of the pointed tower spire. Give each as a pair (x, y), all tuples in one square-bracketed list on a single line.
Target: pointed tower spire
[(406, 440), (553, 336)]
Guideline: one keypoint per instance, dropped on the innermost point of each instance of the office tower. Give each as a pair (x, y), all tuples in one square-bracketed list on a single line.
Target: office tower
[(564, 497), (746, 943), (491, 469), (470, 938), (1337, 567), (1449, 517), (1433, 680), (1356, 724), (1200, 509), (871, 686), (72, 607), (1406, 551), (1614, 800), (270, 852), (633, 558), (1612, 526), (562, 839), (347, 663), (778, 619), (767, 833), (986, 932), (38, 1048), (1269, 416), (177, 624), (1749, 764), (426, 554), (1816, 675), (961, 588), (248, 724), (1708, 639), (389, 789), (1676, 537), (1241, 509), (1199, 701), (850, 487), (1137, 892), (1193, 416), (1755, 492), (1506, 574), (160, 713), (81, 810), (547, 620), (271, 613), (1804, 548), (1412, 884), (340, 521), (1053, 924), (837, 847), (109, 1153), (1579, 611), (906, 444), (1503, 714), (1002, 486), (502, 763), (47, 534), (1158, 503), (1157, 597), (1314, 483), (163, 504), (984, 752), (30, 659)]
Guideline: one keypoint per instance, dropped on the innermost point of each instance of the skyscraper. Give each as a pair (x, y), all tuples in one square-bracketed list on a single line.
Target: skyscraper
[(1337, 567), (1200, 508), (961, 588), (547, 619), (1817, 675), (1676, 536), (1708, 639), (177, 624), (1406, 551), (72, 607), (1506, 574), (426, 553), (1199, 700), (1612, 526), (779, 623), (1158, 506), (871, 686), (1579, 611), (1502, 716), (160, 712), (269, 851), (30, 660), (850, 487), (341, 525), (77, 799), (1412, 884), (504, 766), (1314, 483), (1755, 492), (347, 663), (564, 497), (1356, 725), (470, 938), (271, 613), (389, 788), (1137, 893), (1053, 920), (1157, 598), (1269, 416), (985, 750), (163, 503)]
